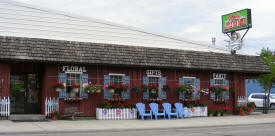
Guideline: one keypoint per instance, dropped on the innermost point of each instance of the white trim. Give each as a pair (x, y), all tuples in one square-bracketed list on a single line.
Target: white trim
[(190, 77), (73, 72), (154, 76), (116, 74)]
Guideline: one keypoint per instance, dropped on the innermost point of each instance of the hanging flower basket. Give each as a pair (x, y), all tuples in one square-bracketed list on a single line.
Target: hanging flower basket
[(58, 86), (75, 87)]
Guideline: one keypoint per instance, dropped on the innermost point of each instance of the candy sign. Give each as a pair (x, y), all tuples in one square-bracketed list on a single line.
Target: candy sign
[(236, 21)]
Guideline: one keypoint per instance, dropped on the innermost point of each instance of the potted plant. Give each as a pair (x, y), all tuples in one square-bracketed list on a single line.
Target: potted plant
[(111, 88), (75, 87), (98, 88), (153, 87), (166, 87), (121, 87), (242, 110), (225, 112), (250, 107), (55, 115), (58, 86), (135, 88), (210, 113), (219, 112), (89, 88)]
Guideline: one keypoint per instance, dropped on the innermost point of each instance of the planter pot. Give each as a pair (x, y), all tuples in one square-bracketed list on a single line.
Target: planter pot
[(98, 91), (249, 110), (54, 118), (75, 90), (112, 91), (219, 114), (58, 90), (153, 91), (211, 115), (242, 113)]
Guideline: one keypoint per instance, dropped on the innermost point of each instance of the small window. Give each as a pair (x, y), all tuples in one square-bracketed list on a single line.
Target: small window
[(189, 81), (219, 82), (73, 78), (154, 94)]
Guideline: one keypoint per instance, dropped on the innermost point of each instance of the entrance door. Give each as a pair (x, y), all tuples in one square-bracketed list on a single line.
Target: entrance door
[(25, 94)]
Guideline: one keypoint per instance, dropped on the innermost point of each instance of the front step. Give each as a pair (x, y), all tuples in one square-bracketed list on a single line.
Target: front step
[(27, 117)]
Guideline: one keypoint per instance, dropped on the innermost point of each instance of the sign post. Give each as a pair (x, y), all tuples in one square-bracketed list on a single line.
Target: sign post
[(233, 22)]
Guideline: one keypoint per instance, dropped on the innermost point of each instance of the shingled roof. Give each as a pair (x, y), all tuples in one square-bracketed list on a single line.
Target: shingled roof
[(57, 51)]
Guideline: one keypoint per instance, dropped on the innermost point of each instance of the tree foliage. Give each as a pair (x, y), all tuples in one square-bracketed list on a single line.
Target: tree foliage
[(267, 81)]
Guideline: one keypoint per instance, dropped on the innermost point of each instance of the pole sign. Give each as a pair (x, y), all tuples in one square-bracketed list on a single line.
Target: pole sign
[(236, 21)]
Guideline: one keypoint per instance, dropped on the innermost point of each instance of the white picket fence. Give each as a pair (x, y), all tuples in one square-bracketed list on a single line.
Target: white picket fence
[(5, 107), (51, 105)]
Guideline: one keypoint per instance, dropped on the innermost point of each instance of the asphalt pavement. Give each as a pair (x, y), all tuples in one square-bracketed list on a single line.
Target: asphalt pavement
[(133, 127)]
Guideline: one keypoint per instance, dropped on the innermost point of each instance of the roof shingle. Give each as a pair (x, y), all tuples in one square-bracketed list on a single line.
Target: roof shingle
[(56, 51)]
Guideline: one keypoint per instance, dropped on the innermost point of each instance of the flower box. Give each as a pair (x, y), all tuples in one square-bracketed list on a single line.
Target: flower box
[(203, 111), (196, 111), (116, 114)]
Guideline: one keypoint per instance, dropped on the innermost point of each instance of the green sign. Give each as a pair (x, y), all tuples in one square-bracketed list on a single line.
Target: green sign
[(236, 21)]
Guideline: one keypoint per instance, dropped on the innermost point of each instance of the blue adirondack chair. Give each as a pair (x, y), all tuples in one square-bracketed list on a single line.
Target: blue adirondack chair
[(141, 111), (155, 110), (168, 111), (179, 110)]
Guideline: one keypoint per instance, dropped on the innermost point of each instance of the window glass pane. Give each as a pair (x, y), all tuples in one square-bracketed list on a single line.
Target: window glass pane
[(73, 78), (116, 79), (155, 80), (219, 82), (189, 81)]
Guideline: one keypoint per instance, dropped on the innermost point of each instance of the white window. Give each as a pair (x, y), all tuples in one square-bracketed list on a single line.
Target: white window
[(189, 81), (73, 78), (219, 82), (155, 80)]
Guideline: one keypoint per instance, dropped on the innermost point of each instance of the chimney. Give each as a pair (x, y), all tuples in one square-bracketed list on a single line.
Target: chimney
[(213, 41)]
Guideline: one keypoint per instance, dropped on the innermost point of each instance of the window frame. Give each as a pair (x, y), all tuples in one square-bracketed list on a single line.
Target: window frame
[(116, 74), (159, 87), (68, 85), (194, 80)]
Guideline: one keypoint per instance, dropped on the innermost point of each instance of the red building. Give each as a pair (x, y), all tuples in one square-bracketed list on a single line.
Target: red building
[(82, 50)]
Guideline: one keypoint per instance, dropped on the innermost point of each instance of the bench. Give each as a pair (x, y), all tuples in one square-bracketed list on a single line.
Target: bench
[(72, 111)]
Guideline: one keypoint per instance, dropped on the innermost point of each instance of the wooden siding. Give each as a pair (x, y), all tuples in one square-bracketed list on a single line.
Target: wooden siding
[(88, 106)]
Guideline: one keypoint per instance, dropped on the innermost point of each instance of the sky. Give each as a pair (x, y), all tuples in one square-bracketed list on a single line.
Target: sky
[(198, 20)]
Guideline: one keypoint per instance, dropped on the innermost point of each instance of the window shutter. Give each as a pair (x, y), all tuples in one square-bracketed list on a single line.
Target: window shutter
[(163, 83), (126, 94), (226, 83), (197, 92), (62, 78), (181, 94), (84, 80), (226, 95), (212, 94), (107, 80), (145, 94)]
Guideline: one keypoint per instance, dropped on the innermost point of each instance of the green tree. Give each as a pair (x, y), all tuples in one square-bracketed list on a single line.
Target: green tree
[(267, 81)]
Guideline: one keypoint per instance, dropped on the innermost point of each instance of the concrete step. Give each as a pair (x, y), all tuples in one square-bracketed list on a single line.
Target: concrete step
[(27, 117)]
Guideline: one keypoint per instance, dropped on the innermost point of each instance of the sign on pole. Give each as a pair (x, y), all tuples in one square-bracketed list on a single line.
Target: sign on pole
[(235, 21)]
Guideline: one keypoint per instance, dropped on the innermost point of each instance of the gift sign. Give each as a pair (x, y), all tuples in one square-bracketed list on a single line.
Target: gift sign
[(153, 72)]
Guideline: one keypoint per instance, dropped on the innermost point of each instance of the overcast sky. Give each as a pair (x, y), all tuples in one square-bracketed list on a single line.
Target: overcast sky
[(190, 19)]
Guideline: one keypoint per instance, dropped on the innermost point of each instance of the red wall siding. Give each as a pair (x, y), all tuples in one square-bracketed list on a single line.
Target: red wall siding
[(88, 106), (4, 79)]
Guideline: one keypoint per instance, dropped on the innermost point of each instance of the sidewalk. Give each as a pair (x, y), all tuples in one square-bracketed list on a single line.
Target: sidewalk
[(59, 126)]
